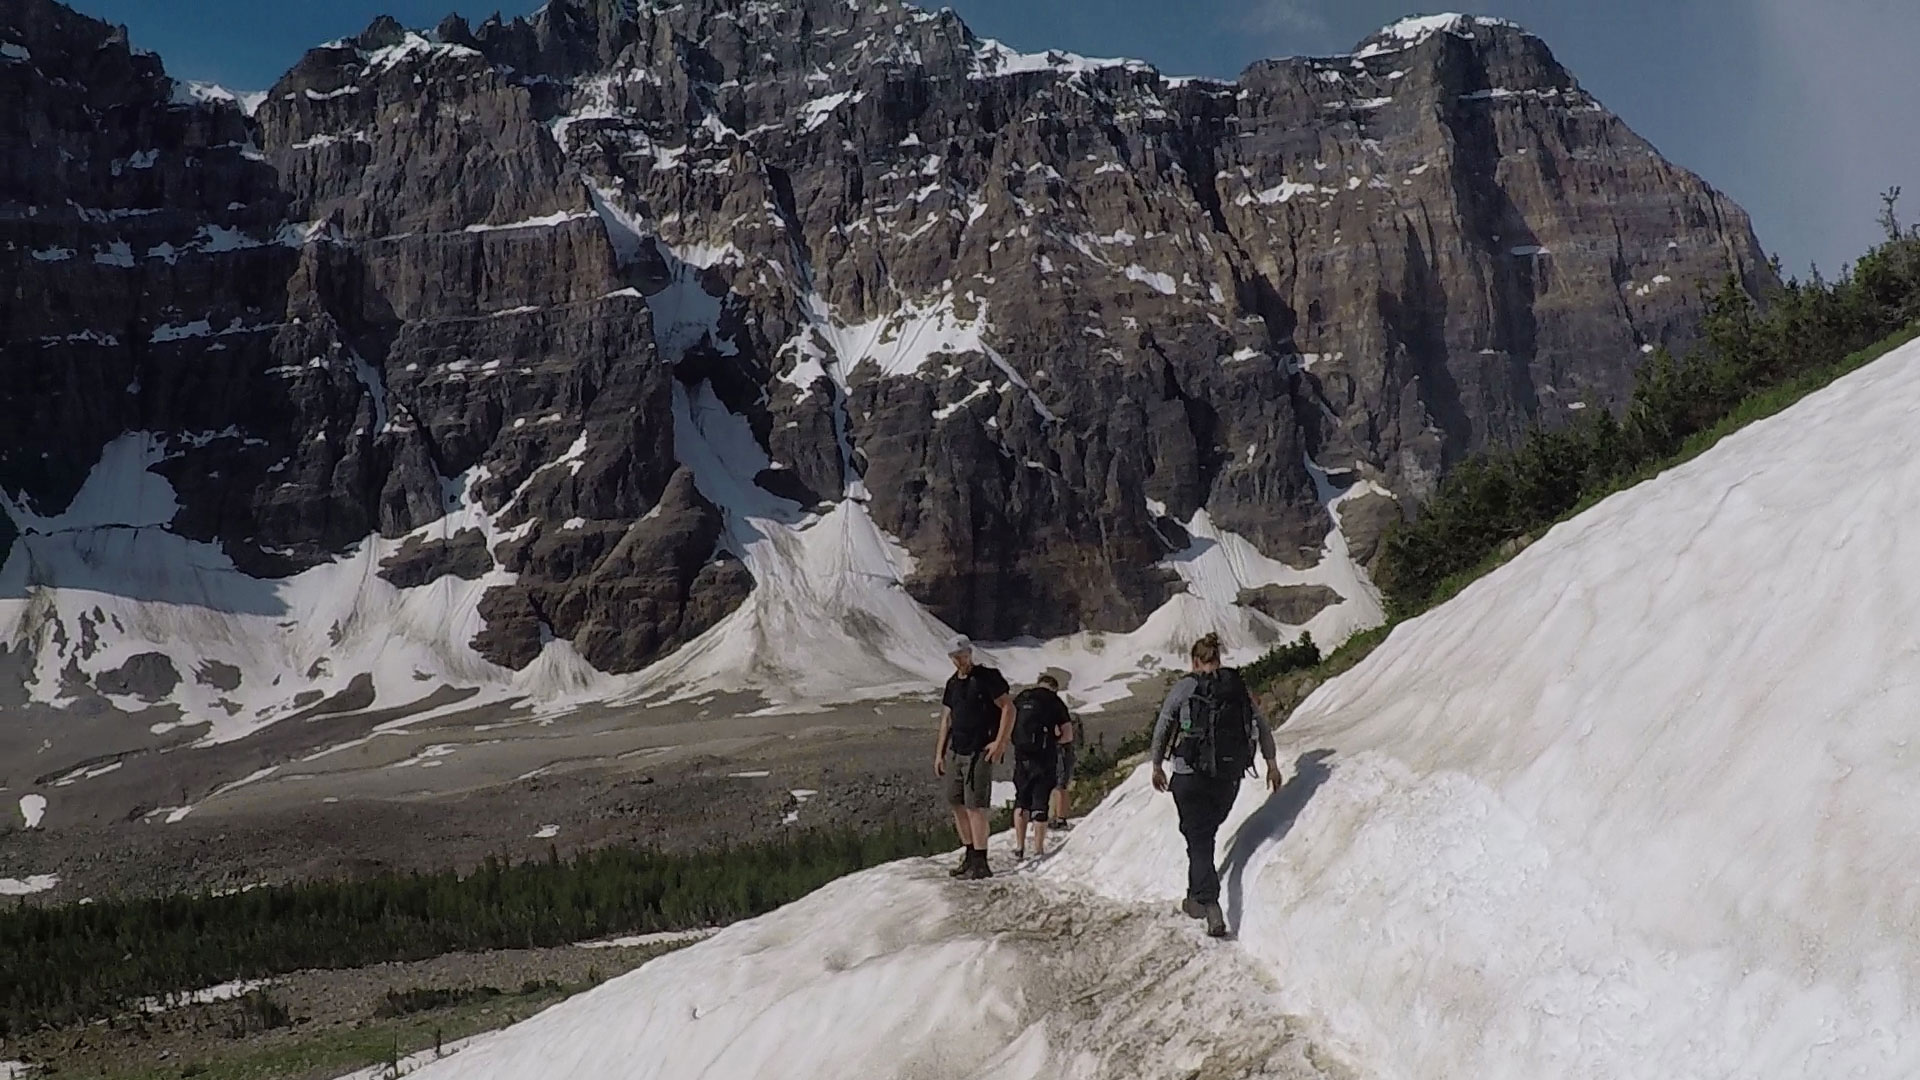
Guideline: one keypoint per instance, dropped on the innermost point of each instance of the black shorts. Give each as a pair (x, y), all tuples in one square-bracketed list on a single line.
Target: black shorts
[(1033, 785), (1064, 776)]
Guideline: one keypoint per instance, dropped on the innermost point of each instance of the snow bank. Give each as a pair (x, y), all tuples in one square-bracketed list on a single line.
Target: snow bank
[(1639, 803), (898, 972)]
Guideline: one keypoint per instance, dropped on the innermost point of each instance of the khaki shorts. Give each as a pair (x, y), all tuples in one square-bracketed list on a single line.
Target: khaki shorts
[(969, 780)]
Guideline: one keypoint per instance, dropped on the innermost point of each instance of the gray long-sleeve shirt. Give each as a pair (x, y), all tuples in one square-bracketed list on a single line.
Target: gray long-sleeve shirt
[(1173, 714)]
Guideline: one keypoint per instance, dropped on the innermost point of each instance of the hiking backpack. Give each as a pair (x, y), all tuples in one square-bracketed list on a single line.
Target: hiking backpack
[(1035, 717), (1216, 735)]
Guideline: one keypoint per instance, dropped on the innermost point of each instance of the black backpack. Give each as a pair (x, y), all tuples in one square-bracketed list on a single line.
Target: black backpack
[(1035, 716), (1217, 737)]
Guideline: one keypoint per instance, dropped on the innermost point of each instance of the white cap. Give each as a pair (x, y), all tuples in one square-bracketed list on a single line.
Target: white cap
[(959, 644)]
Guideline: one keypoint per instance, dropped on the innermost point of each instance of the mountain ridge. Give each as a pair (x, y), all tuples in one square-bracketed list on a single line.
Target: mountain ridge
[(1048, 330)]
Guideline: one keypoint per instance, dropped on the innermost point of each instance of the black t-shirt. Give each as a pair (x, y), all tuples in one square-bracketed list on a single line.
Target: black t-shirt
[(976, 719)]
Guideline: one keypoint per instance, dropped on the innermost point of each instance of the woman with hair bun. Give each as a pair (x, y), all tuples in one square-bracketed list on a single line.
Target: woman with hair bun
[(1211, 726)]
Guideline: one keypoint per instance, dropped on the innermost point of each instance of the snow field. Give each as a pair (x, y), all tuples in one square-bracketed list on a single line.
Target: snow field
[(1639, 803)]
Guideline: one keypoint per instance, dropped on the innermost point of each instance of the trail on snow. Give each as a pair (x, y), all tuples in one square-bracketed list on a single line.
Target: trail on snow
[(1128, 990), (903, 972)]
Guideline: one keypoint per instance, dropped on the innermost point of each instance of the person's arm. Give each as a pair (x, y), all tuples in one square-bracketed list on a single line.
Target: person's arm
[(940, 744), (1000, 741), (1267, 749), (1164, 727)]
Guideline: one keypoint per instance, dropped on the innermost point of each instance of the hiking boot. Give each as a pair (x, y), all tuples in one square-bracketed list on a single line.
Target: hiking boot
[(1216, 921), (1063, 825), (1193, 909), (966, 864), (1019, 856)]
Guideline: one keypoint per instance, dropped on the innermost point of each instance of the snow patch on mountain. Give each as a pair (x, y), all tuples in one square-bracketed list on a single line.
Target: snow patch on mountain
[(189, 92), (105, 588), (834, 581), (993, 59), (1413, 31)]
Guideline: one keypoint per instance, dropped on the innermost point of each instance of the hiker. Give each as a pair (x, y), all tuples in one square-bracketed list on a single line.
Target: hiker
[(1210, 724), (976, 722), (1071, 737), (1040, 722)]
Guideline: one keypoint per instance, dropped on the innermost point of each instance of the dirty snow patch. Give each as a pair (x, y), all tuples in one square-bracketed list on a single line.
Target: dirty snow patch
[(225, 991), (640, 941), (27, 886)]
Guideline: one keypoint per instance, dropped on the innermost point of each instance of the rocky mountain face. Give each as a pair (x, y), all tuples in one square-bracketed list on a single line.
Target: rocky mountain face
[(1038, 316)]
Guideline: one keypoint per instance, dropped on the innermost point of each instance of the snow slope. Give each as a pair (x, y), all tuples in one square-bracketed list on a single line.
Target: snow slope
[(1640, 803), (106, 581)]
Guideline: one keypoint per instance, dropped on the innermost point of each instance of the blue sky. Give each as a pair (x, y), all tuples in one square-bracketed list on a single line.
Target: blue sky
[(1802, 110)]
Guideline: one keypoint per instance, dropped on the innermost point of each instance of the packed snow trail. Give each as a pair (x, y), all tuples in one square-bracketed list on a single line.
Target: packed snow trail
[(903, 972)]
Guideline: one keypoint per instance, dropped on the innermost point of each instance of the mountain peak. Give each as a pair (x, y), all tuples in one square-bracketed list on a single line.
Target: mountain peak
[(1416, 29)]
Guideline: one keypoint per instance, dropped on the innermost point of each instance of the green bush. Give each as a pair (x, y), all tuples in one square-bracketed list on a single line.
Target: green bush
[(1297, 656)]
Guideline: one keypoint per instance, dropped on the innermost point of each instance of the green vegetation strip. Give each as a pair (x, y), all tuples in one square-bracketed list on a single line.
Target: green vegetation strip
[(82, 962), (1752, 363)]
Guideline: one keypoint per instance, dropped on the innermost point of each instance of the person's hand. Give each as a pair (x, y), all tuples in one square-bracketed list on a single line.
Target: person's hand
[(995, 752), (1274, 779), (1159, 778), (939, 765)]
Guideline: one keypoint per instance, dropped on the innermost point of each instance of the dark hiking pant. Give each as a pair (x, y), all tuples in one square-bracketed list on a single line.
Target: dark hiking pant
[(1203, 802)]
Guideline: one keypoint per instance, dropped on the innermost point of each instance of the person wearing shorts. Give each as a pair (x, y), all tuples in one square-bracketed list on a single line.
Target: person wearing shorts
[(976, 723), (1039, 717)]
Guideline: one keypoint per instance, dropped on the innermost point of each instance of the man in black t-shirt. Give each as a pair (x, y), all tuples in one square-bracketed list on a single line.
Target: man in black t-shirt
[(976, 723)]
